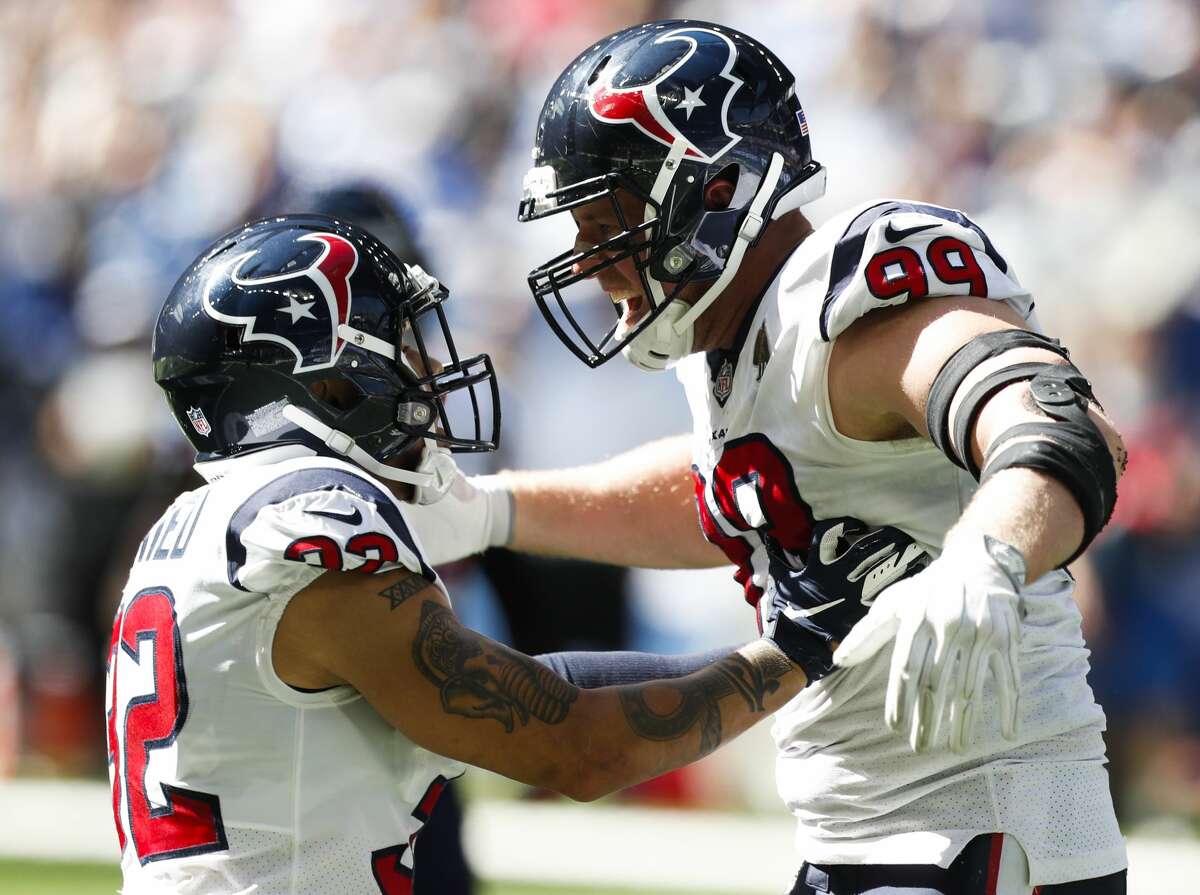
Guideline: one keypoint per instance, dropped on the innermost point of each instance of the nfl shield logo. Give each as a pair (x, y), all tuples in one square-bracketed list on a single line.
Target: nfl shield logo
[(723, 385), (199, 422)]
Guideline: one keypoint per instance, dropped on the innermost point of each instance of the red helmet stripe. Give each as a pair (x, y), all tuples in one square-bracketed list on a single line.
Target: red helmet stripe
[(337, 266), (619, 106)]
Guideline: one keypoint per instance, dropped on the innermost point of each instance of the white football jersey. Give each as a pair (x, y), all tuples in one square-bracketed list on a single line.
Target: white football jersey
[(769, 460), (225, 779)]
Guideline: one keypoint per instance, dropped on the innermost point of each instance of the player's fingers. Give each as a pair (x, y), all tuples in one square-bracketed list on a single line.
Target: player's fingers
[(969, 695), (961, 723), (909, 670), (945, 688), (918, 701), (1008, 679)]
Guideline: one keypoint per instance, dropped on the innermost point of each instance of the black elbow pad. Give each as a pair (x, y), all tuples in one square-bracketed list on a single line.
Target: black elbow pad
[(1069, 447)]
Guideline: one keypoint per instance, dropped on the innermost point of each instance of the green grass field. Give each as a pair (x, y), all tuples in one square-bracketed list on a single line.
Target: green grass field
[(47, 878)]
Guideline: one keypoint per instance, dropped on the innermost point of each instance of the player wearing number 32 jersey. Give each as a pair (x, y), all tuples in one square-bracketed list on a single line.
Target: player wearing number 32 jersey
[(884, 369), (288, 686)]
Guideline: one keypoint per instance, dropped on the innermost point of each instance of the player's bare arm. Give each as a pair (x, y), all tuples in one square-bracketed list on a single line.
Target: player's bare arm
[(961, 617), (635, 509), (396, 640)]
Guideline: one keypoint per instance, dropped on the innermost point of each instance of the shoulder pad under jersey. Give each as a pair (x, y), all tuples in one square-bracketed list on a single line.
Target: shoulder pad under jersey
[(317, 518), (895, 251)]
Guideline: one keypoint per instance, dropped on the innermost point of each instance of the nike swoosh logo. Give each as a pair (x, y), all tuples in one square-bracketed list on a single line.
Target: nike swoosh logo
[(891, 234), (809, 613), (349, 518)]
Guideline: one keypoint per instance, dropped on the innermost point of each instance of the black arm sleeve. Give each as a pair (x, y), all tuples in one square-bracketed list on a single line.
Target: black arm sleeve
[(591, 670)]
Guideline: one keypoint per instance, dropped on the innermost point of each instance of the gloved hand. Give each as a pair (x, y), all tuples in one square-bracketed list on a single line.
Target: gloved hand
[(848, 565), (950, 623), (457, 516)]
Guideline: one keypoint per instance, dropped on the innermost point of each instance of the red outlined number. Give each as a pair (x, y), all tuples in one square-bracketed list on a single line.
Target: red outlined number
[(755, 492), (897, 271), (954, 262), (391, 875), (325, 549), (900, 271), (375, 549), (189, 823)]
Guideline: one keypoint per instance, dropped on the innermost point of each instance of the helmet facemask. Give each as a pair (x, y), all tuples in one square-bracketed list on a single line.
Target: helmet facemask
[(598, 333), (459, 391), (436, 394)]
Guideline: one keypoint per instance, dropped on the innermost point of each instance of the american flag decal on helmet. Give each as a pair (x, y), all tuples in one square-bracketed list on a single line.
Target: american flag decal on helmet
[(803, 122)]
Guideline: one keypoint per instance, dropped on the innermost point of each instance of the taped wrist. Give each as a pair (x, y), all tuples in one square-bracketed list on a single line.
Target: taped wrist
[(499, 508), (1070, 449), (809, 650), (956, 445)]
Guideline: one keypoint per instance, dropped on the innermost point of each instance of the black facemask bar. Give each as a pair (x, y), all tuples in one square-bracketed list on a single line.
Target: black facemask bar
[(639, 243), (454, 401)]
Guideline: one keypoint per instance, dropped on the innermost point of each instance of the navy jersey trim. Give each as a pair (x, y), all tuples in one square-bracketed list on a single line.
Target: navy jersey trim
[(307, 481), (847, 254)]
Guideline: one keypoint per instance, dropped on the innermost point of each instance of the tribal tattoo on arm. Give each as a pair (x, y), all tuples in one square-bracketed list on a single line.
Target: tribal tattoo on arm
[(698, 698), (480, 679)]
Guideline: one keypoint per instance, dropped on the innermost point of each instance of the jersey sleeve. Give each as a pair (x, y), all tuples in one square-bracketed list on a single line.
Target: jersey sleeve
[(313, 520), (894, 252)]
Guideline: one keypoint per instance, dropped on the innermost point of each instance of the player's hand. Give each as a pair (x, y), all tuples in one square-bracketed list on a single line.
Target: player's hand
[(951, 624), (848, 565), (458, 515)]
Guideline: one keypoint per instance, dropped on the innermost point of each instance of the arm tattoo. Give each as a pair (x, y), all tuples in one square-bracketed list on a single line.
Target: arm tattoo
[(478, 679), (699, 699), (397, 593)]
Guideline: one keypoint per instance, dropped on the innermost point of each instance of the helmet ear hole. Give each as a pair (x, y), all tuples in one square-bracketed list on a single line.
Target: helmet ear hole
[(720, 188), (340, 395)]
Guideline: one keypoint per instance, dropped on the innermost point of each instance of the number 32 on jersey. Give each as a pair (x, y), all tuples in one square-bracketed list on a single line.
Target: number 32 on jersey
[(147, 707)]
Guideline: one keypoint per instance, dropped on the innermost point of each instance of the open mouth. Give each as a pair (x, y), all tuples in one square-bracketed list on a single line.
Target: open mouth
[(632, 310)]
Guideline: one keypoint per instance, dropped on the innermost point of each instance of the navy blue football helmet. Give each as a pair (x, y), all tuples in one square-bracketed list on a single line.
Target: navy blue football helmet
[(304, 332), (657, 111)]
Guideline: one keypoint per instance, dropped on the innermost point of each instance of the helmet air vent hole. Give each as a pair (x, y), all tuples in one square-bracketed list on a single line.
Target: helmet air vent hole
[(595, 75)]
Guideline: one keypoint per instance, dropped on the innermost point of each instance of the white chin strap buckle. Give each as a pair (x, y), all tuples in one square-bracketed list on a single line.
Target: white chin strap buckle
[(343, 444), (660, 345)]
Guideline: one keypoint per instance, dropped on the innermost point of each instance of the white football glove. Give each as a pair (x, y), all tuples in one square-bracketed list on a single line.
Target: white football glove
[(457, 516), (950, 623)]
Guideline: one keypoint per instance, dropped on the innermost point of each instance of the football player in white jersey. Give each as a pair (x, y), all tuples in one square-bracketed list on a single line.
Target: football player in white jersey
[(280, 725), (884, 369)]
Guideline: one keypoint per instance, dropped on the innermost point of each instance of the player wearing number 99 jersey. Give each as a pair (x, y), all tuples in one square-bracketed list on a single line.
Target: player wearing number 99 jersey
[(883, 369), (288, 688)]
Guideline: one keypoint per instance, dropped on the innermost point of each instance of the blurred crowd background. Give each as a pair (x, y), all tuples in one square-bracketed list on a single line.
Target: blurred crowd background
[(133, 132)]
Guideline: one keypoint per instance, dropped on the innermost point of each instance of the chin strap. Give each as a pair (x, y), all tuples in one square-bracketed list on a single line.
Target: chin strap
[(341, 443), (751, 227)]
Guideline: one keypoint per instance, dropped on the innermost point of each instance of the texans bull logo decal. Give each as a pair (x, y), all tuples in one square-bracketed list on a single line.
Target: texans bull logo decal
[(299, 309), (690, 85)]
